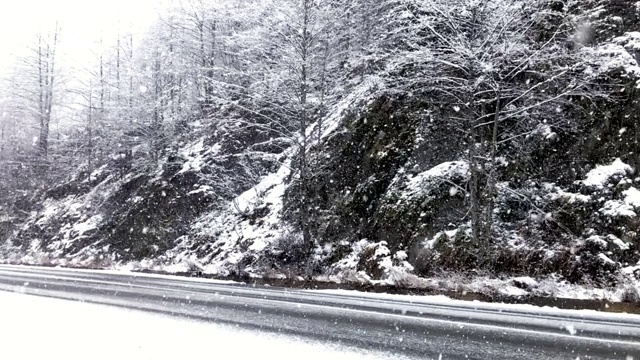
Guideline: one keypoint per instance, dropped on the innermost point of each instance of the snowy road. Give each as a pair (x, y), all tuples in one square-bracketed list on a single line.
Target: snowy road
[(33, 328), (387, 326)]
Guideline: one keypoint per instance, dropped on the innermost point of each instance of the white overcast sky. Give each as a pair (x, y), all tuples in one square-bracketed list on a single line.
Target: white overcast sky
[(82, 21)]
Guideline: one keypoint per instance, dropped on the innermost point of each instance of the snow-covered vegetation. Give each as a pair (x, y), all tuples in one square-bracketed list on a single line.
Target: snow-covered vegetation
[(465, 145)]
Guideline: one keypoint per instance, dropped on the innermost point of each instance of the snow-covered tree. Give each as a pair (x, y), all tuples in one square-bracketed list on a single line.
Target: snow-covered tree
[(492, 72)]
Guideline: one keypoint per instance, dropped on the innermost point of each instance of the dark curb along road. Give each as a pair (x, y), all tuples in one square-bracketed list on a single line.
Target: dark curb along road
[(420, 330)]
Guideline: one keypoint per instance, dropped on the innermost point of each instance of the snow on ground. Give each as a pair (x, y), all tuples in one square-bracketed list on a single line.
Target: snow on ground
[(617, 208), (444, 172), (235, 232), (41, 328), (632, 197), (599, 176), (444, 300), (630, 40), (610, 57), (233, 227), (625, 207), (269, 190), (556, 193), (550, 287), (196, 154), (361, 95)]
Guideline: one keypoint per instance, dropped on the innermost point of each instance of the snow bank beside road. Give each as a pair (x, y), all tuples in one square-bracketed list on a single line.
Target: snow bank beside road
[(441, 300), (42, 328)]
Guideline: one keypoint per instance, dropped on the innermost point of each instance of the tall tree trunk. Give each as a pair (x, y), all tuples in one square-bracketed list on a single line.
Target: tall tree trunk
[(131, 92), (46, 75), (102, 82), (211, 63), (474, 183), (491, 176), (118, 67), (304, 89), (90, 128)]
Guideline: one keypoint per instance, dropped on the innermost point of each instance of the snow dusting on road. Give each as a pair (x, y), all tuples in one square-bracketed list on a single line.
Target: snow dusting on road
[(42, 328)]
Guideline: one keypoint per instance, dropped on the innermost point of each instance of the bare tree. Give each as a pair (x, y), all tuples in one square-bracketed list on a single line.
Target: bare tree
[(482, 63), (46, 56)]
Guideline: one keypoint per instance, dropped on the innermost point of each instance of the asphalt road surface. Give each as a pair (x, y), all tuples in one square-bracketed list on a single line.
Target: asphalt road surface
[(394, 327)]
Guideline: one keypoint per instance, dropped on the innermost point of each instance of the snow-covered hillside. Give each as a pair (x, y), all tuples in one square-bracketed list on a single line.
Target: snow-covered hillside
[(443, 147)]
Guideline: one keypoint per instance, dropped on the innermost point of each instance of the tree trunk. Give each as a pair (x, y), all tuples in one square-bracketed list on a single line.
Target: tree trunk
[(46, 76), (491, 176), (474, 191), (90, 128), (304, 54)]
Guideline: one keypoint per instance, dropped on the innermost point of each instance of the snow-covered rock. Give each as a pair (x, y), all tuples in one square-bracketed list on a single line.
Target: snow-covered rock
[(600, 176)]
